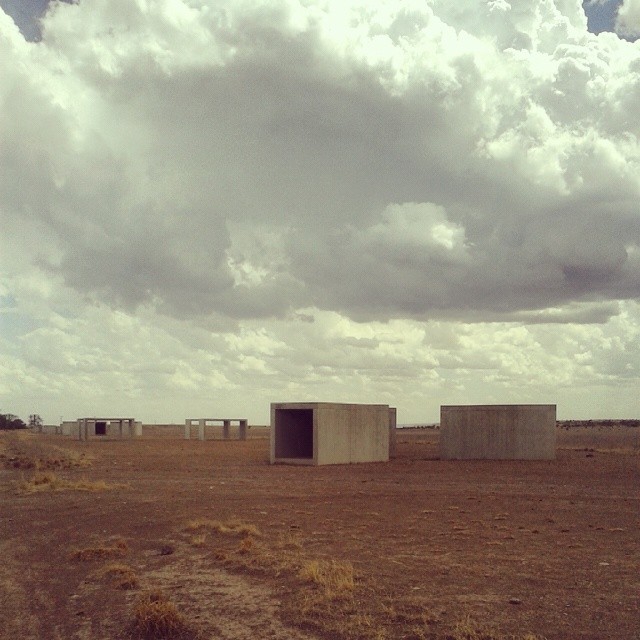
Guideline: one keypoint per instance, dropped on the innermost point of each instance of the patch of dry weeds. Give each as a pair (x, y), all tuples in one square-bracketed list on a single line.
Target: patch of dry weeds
[(155, 617), (115, 549), (50, 481), (333, 576), (230, 527)]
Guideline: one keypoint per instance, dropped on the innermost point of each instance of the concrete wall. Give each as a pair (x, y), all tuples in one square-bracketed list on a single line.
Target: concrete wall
[(70, 428), (51, 429), (498, 432), (393, 433), (320, 433)]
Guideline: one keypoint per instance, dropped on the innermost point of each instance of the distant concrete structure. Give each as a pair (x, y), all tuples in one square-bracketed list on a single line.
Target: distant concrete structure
[(51, 429), (69, 427), (498, 432), (319, 433), (226, 423), (89, 427)]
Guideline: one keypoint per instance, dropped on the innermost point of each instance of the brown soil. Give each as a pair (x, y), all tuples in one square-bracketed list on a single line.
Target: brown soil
[(440, 549)]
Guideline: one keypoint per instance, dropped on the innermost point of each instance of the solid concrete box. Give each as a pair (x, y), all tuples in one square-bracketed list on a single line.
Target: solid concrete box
[(319, 433), (498, 432)]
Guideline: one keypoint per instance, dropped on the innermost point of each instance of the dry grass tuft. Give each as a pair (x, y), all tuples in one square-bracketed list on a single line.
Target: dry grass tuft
[(289, 541), (157, 618), (50, 481), (117, 549), (246, 545), (334, 576), (122, 576), (230, 527)]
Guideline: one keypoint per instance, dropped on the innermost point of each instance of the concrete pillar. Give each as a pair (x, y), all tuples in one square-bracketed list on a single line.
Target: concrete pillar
[(201, 429), (187, 429), (226, 427), (120, 427), (243, 430), (393, 433), (137, 429)]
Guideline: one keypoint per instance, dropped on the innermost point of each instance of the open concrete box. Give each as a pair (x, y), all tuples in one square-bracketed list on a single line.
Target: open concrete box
[(319, 433)]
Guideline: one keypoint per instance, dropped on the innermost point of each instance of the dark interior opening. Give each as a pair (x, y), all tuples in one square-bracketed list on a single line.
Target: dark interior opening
[(294, 433), (101, 428)]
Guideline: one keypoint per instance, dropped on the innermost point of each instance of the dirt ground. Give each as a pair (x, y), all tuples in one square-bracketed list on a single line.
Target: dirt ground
[(439, 549)]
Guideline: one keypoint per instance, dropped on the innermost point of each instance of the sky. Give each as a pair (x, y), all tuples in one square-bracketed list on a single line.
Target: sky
[(206, 207)]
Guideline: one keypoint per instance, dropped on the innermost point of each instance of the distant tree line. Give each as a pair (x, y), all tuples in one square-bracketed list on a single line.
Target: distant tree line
[(9, 421)]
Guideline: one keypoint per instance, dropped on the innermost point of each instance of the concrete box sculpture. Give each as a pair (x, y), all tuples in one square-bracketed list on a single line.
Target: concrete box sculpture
[(202, 423), (498, 432), (319, 433), (89, 427)]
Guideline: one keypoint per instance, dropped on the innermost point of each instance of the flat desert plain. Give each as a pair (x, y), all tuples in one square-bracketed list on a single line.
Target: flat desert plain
[(234, 548)]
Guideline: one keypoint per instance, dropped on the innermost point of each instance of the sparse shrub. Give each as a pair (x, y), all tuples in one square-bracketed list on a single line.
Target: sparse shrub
[(157, 618), (10, 422)]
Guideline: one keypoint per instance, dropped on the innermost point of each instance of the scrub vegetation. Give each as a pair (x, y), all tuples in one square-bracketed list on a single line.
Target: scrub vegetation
[(24, 450), (210, 541)]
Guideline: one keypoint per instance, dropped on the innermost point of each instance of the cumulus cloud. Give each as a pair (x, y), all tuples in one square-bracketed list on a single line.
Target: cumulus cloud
[(246, 164), (174, 121), (628, 19)]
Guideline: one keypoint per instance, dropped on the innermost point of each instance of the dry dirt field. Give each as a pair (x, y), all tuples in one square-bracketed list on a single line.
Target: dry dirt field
[(93, 532)]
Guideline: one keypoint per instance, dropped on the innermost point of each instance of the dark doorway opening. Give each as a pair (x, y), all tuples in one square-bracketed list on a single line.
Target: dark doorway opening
[(294, 433), (101, 428)]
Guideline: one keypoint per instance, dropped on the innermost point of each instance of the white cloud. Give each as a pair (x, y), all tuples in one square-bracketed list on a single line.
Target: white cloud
[(628, 19), (293, 196)]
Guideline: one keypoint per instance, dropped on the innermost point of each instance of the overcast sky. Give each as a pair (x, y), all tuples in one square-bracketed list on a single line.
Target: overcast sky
[(209, 206)]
